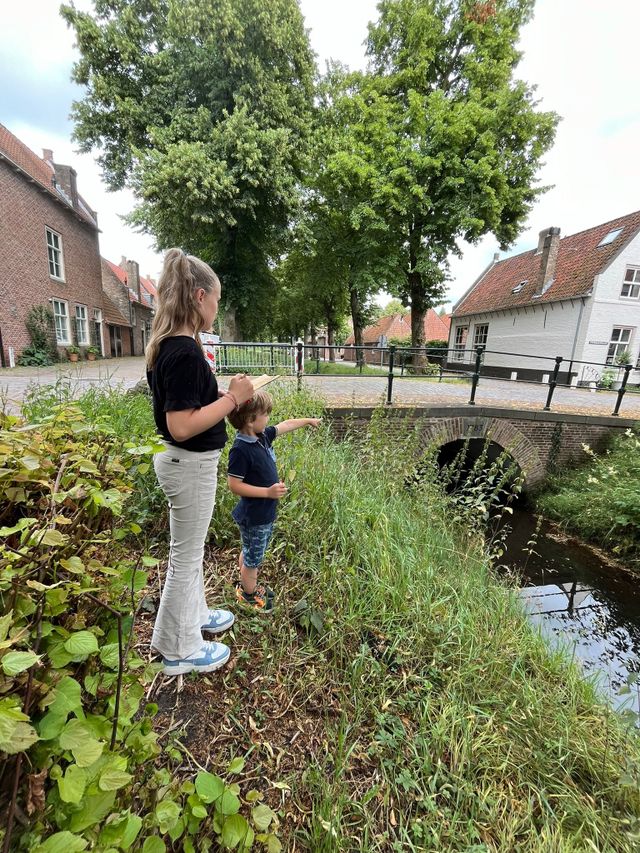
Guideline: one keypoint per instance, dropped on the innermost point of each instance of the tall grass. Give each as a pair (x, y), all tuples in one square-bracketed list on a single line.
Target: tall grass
[(456, 727), (436, 718), (599, 501)]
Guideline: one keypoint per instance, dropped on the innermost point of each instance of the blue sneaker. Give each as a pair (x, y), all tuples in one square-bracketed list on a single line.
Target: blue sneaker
[(209, 656), (219, 621)]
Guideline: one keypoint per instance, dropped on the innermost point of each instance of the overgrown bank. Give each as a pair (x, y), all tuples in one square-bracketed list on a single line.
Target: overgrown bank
[(397, 701), (599, 501)]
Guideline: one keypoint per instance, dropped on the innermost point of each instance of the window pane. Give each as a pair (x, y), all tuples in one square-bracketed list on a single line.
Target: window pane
[(628, 276), (625, 334), (615, 334)]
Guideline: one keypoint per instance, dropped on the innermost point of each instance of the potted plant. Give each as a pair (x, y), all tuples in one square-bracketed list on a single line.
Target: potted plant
[(92, 353), (73, 352), (623, 358), (606, 380)]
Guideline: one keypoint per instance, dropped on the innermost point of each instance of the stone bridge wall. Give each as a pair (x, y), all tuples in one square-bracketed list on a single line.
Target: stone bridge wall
[(538, 441)]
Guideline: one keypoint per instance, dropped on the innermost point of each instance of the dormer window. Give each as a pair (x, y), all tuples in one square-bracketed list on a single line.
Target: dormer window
[(519, 286), (610, 237)]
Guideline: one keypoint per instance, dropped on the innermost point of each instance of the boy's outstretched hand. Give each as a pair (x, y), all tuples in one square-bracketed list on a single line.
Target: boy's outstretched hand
[(314, 422), (277, 491)]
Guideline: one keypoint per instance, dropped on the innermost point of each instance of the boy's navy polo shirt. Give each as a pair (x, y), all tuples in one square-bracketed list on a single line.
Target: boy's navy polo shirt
[(252, 460)]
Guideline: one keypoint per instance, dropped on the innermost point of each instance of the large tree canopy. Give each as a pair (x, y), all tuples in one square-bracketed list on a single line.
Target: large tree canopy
[(203, 107), (453, 140)]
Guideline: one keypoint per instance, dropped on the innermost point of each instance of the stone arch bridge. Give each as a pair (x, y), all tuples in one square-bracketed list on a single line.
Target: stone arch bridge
[(537, 441)]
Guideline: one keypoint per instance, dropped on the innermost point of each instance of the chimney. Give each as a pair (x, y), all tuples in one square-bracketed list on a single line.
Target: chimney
[(496, 257), (133, 278), (47, 156), (66, 179), (548, 245)]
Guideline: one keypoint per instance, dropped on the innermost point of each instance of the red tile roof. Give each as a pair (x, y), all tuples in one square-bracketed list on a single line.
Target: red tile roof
[(436, 328), (111, 313), (39, 170), (145, 283), (580, 258)]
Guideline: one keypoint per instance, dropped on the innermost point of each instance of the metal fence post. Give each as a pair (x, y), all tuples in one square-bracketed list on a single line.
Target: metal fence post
[(476, 375), (621, 391), (299, 363), (553, 382), (392, 351)]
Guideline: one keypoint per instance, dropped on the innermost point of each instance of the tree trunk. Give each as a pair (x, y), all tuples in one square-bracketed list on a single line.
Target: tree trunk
[(229, 326), (358, 324), (419, 304), (331, 339)]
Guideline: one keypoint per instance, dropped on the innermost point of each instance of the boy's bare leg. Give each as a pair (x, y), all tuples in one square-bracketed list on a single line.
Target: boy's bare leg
[(249, 577)]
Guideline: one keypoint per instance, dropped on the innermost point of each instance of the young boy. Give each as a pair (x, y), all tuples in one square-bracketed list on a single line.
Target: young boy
[(253, 476)]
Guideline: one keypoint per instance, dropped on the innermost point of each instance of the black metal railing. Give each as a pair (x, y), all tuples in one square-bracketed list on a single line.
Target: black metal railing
[(435, 363)]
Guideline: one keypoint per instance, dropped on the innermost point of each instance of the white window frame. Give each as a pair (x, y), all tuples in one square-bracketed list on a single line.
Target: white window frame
[(61, 322), (460, 338), (82, 326), (485, 334), (616, 346), (632, 283), (55, 254)]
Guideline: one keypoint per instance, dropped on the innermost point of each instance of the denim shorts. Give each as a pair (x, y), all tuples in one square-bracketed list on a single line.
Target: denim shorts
[(254, 543)]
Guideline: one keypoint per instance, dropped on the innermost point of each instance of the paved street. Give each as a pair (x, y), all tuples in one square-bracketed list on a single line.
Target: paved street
[(345, 390)]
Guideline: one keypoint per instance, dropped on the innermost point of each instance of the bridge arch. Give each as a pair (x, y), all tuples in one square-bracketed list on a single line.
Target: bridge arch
[(502, 432)]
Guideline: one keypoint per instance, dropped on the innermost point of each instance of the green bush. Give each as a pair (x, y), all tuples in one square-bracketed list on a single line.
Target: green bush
[(599, 500), (32, 356)]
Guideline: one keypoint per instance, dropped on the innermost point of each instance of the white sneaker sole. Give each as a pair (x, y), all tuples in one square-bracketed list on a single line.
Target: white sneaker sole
[(186, 667)]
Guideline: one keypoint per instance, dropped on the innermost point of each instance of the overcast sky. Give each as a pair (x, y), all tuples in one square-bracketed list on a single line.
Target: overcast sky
[(581, 54)]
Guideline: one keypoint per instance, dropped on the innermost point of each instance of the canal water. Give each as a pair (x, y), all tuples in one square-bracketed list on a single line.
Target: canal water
[(578, 599)]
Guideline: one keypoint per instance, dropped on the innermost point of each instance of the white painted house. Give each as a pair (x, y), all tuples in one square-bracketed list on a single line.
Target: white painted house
[(577, 297)]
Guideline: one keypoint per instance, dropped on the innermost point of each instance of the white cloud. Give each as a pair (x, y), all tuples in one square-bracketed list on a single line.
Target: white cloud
[(580, 53)]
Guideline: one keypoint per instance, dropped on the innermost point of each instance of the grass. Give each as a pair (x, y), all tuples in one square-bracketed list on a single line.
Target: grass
[(398, 700), (339, 368), (599, 500)]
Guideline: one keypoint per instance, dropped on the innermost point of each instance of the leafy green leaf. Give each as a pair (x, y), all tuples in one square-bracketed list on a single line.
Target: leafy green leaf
[(262, 816), (234, 830), (209, 787), (153, 844), (15, 662), (73, 565), (94, 808), (81, 644), (54, 537), (72, 785), (167, 813), (77, 737), (236, 765), (62, 842), (110, 655), (112, 779), (229, 803)]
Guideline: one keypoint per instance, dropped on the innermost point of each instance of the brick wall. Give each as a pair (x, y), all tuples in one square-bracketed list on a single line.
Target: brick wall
[(538, 441), (25, 212)]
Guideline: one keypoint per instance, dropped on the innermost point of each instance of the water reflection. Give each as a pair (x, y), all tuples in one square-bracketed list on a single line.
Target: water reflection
[(580, 601)]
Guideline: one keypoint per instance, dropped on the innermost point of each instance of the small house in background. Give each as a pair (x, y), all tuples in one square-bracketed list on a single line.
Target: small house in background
[(50, 253), (129, 307), (395, 327), (577, 297)]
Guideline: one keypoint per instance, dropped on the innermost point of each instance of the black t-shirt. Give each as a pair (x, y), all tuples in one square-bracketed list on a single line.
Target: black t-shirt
[(252, 460), (181, 379)]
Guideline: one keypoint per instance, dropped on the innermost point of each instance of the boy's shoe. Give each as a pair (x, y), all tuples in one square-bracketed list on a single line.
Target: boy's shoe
[(209, 656), (219, 621), (260, 599)]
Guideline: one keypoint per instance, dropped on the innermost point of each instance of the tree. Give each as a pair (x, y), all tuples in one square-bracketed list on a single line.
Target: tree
[(351, 253), (203, 108), (454, 140), (393, 307)]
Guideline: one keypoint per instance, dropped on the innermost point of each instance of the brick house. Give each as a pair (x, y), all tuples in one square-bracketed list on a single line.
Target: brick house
[(132, 299), (577, 297), (49, 252), (395, 327)]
